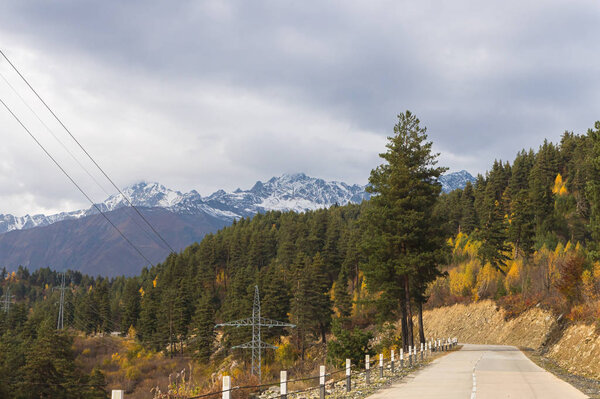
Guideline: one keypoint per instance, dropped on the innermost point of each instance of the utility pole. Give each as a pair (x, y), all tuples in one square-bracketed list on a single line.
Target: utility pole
[(256, 322), (61, 309), (7, 300)]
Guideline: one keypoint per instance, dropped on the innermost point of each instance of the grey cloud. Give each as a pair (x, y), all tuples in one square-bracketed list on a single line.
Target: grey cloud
[(487, 78)]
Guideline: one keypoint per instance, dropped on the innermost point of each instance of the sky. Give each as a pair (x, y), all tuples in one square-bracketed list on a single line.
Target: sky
[(208, 94)]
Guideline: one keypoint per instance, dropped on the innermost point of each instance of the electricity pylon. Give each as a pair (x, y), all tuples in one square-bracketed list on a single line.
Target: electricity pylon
[(61, 308), (256, 322), (7, 300)]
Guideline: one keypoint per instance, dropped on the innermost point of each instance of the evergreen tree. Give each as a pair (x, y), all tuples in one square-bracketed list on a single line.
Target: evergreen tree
[(203, 329), (96, 385), (493, 235), (131, 305), (468, 216), (521, 230), (343, 300), (398, 220), (49, 370)]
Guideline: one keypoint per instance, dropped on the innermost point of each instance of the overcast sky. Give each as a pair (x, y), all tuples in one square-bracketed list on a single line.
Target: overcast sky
[(217, 94)]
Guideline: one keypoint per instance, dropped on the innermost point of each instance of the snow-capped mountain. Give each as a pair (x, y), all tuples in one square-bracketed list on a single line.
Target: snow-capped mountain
[(82, 240), (452, 181), (296, 192)]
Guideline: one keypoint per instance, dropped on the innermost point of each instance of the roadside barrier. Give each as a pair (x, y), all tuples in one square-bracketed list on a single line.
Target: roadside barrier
[(414, 357)]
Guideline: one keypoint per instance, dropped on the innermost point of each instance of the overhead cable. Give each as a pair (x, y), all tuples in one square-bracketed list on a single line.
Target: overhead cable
[(86, 152), (73, 181)]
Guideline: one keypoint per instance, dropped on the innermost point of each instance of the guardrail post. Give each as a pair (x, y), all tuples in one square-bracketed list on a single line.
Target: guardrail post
[(392, 360), (409, 356), (226, 387), (117, 394), (367, 369), (381, 365), (283, 384), (401, 358), (322, 382), (348, 375), (421, 351), (415, 354)]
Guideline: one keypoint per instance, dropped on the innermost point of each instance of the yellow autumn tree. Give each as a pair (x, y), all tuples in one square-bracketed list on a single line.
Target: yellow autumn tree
[(560, 186)]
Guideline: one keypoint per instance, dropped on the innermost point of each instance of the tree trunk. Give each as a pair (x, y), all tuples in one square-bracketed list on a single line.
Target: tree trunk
[(408, 311), (421, 330), (404, 325), (323, 334)]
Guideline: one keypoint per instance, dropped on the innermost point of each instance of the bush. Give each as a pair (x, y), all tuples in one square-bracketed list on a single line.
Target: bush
[(348, 344)]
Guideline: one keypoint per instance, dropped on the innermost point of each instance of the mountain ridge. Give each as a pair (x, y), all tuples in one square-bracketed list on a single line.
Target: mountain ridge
[(296, 192), (82, 240)]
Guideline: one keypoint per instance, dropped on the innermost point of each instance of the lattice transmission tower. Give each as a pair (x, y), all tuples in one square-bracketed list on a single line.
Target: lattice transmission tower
[(256, 322), (61, 309), (7, 300)]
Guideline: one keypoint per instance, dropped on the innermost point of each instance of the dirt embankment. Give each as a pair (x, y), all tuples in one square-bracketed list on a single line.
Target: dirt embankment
[(574, 347)]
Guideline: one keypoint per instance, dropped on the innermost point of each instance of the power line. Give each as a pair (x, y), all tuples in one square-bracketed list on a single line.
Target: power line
[(81, 165), (52, 133), (86, 153), (73, 181)]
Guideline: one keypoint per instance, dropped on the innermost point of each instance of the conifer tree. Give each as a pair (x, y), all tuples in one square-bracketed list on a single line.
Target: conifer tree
[(343, 300), (131, 305), (49, 370), (468, 216), (397, 220), (203, 329), (521, 230), (320, 299), (493, 235)]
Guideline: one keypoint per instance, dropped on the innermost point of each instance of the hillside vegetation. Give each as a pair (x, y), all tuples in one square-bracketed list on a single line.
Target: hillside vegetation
[(524, 234)]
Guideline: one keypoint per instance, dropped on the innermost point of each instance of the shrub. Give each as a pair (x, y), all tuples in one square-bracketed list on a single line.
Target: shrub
[(349, 344)]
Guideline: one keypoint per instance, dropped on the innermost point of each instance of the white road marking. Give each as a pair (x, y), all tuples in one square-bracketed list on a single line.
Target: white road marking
[(474, 389)]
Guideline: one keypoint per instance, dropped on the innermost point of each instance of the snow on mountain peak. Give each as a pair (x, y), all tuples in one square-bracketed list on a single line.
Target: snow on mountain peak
[(290, 191), (452, 181)]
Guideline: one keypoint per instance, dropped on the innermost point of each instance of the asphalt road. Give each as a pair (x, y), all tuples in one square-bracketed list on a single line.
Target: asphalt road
[(482, 372)]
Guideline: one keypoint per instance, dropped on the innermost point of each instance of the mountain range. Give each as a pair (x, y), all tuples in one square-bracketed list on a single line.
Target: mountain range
[(83, 240)]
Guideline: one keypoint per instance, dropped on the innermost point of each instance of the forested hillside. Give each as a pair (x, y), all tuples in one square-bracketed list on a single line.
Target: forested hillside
[(527, 232)]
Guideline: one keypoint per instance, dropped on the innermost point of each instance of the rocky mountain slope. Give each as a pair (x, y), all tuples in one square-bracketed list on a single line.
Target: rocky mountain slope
[(297, 192), (83, 240), (452, 181), (573, 346)]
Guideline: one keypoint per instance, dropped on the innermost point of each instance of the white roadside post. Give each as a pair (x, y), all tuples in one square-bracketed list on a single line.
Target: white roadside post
[(348, 374), (118, 394), (367, 368), (409, 356), (392, 360), (401, 358), (421, 351), (283, 384), (226, 387), (322, 382), (381, 365)]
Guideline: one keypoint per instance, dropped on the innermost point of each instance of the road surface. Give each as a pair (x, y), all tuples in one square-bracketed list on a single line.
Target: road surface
[(482, 372)]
